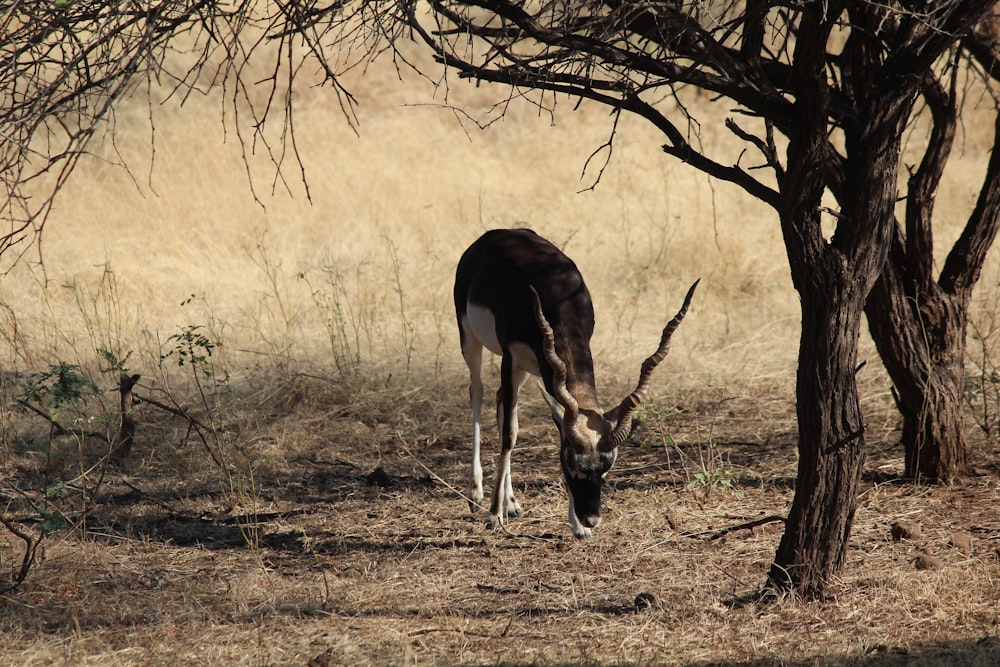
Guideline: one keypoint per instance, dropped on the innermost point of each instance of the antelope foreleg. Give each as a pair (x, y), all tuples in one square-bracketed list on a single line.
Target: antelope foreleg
[(472, 350), (502, 502)]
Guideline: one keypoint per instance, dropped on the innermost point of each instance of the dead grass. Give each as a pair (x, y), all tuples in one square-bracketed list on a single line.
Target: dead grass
[(338, 360), (362, 569)]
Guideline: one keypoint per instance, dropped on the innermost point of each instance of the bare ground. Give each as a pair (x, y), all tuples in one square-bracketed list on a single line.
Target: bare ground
[(336, 533)]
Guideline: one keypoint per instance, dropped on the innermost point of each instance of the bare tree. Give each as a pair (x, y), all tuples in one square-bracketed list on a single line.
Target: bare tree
[(821, 93), (919, 322)]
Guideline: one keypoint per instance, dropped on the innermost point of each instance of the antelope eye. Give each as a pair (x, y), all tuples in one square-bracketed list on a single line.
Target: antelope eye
[(608, 460), (569, 458)]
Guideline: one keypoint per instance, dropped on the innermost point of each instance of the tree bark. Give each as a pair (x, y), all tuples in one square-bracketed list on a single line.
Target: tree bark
[(831, 440), (918, 327), (919, 324), (921, 340)]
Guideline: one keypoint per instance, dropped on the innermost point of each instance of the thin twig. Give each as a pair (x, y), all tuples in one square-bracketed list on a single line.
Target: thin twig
[(714, 535), (56, 426), (192, 422), (30, 545)]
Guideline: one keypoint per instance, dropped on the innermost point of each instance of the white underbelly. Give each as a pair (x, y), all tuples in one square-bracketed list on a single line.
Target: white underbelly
[(479, 322)]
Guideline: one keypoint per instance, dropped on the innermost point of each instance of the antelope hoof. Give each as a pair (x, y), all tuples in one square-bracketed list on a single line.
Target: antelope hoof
[(494, 522), (513, 508), (474, 505), (474, 496), (582, 532)]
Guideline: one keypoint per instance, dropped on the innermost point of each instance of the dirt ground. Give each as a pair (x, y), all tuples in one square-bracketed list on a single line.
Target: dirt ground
[(336, 533)]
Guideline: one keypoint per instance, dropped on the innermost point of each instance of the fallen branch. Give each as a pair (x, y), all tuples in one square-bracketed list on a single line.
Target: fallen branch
[(30, 545), (749, 525), (192, 421), (57, 428)]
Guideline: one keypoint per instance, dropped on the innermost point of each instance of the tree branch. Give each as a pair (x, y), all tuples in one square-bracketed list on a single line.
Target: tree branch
[(923, 183), (964, 263), (766, 146)]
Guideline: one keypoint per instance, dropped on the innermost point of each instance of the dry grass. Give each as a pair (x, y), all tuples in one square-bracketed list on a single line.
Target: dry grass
[(339, 357)]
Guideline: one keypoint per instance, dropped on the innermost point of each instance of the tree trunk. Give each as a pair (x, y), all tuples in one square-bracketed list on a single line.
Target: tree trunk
[(919, 324), (833, 276), (921, 340), (831, 441)]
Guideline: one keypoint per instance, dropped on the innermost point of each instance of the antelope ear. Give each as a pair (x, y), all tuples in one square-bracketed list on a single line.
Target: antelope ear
[(612, 414), (554, 407)]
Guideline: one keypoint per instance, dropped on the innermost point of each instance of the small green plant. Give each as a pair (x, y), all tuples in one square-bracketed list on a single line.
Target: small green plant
[(52, 520), (112, 363), (655, 420), (715, 472), (704, 470), (60, 386), (73, 407), (216, 424), (56, 491), (50, 393), (192, 351), (192, 347)]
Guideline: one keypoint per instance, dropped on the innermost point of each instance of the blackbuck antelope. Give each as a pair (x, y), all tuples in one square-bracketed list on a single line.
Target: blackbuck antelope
[(523, 299)]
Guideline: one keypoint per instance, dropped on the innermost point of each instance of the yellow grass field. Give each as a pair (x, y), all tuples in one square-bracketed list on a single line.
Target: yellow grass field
[(318, 518)]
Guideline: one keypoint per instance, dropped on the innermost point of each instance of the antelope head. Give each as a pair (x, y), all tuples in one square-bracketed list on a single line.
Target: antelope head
[(589, 437)]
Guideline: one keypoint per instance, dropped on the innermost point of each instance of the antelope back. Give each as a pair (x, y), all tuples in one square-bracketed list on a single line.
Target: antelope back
[(504, 272)]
